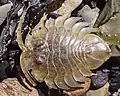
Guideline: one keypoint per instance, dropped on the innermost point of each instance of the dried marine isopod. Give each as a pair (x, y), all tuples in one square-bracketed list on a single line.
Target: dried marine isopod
[(62, 52)]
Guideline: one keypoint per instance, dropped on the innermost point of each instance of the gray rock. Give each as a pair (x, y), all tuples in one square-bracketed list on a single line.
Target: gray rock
[(4, 10)]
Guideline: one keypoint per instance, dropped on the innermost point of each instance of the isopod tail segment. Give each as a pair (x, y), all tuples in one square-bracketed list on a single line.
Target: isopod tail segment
[(86, 34)]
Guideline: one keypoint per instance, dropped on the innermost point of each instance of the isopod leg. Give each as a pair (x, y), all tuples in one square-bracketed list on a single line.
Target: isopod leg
[(19, 35)]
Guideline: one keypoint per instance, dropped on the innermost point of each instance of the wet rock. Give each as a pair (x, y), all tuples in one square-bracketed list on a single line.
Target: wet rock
[(99, 92), (3, 11), (115, 78), (2, 2), (3, 66), (99, 79), (11, 87), (117, 93)]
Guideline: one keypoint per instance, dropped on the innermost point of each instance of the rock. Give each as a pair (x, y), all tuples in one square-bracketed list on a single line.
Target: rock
[(99, 92), (11, 87), (4, 10), (100, 79)]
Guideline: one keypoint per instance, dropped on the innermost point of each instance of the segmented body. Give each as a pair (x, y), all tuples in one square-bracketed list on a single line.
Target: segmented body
[(62, 53)]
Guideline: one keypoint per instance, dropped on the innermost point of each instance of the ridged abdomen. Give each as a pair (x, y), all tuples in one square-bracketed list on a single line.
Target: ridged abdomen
[(69, 58)]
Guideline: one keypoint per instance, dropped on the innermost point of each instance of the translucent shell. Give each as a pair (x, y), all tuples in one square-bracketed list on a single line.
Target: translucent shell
[(62, 56), (62, 52)]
